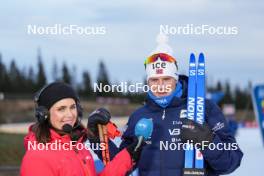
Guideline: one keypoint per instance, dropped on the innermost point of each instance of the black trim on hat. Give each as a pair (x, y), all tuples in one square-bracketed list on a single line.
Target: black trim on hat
[(55, 92)]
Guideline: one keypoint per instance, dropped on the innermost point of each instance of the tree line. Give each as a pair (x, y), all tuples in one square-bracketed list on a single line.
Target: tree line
[(14, 80), (26, 81)]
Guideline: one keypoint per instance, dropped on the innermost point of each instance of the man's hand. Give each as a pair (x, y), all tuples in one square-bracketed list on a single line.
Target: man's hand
[(196, 132), (99, 116)]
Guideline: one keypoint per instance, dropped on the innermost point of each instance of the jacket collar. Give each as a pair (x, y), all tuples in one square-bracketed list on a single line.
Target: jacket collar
[(176, 101)]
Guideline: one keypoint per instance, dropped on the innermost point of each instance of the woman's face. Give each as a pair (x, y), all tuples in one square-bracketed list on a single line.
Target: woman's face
[(63, 112)]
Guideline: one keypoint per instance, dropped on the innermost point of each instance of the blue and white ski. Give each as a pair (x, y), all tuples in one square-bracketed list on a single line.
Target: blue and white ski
[(200, 104), (189, 153), (194, 164)]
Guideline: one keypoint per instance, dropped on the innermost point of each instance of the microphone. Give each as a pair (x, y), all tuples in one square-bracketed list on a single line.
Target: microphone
[(67, 128), (143, 130)]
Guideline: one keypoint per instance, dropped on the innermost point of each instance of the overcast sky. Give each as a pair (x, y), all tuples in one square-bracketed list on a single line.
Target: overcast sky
[(131, 30)]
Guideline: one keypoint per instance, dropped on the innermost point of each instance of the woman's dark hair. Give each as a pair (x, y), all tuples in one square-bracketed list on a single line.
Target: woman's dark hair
[(42, 131)]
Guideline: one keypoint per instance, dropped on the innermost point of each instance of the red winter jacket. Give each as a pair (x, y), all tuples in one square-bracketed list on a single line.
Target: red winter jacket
[(48, 162)]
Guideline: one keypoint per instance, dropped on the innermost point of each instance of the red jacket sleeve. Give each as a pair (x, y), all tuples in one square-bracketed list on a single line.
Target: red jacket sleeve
[(119, 166), (33, 165)]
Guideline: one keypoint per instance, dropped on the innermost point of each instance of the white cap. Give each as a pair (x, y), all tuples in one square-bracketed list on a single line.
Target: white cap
[(162, 68), (163, 46)]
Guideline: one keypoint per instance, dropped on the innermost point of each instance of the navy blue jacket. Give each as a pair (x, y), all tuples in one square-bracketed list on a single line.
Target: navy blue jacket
[(157, 161)]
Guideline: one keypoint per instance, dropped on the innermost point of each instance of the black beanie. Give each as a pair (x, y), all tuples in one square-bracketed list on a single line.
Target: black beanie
[(55, 92)]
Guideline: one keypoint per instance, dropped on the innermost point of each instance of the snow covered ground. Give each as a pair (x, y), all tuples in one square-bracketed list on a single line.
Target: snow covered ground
[(250, 143)]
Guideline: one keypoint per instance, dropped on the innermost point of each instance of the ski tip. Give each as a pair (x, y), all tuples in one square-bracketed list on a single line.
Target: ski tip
[(201, 57), (192, 58)]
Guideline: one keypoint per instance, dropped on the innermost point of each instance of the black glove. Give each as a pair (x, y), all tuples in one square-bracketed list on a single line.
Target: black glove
[(135, 155), (196, 132), (99, 116)]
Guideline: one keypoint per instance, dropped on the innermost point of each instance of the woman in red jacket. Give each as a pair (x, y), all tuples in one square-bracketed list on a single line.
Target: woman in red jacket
[(55, 143)]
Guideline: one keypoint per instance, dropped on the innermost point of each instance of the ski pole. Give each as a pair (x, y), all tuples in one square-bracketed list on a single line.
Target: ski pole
[(104, 139)]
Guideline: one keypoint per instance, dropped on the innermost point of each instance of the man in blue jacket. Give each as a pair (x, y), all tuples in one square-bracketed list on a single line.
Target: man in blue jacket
[(166, 104)]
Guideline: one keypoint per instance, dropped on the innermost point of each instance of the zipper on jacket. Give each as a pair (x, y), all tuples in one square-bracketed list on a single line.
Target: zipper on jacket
[(164, 114), (82, 162)]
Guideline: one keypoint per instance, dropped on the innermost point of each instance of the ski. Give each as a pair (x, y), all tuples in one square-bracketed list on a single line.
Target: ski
[(200, 104), (189, 153), (194, 164)]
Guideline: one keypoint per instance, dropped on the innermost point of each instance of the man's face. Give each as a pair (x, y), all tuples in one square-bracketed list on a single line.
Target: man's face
[(162, 86)]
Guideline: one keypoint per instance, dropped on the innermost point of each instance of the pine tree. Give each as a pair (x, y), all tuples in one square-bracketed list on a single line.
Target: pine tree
[(31, 80), (227, 99), (41, 77), (55, 74), (14, 78), (102, 79), (3, 74), (240, 100), (102, 75), (66, 77), (219, 86), (250, 106), (87, 88)]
